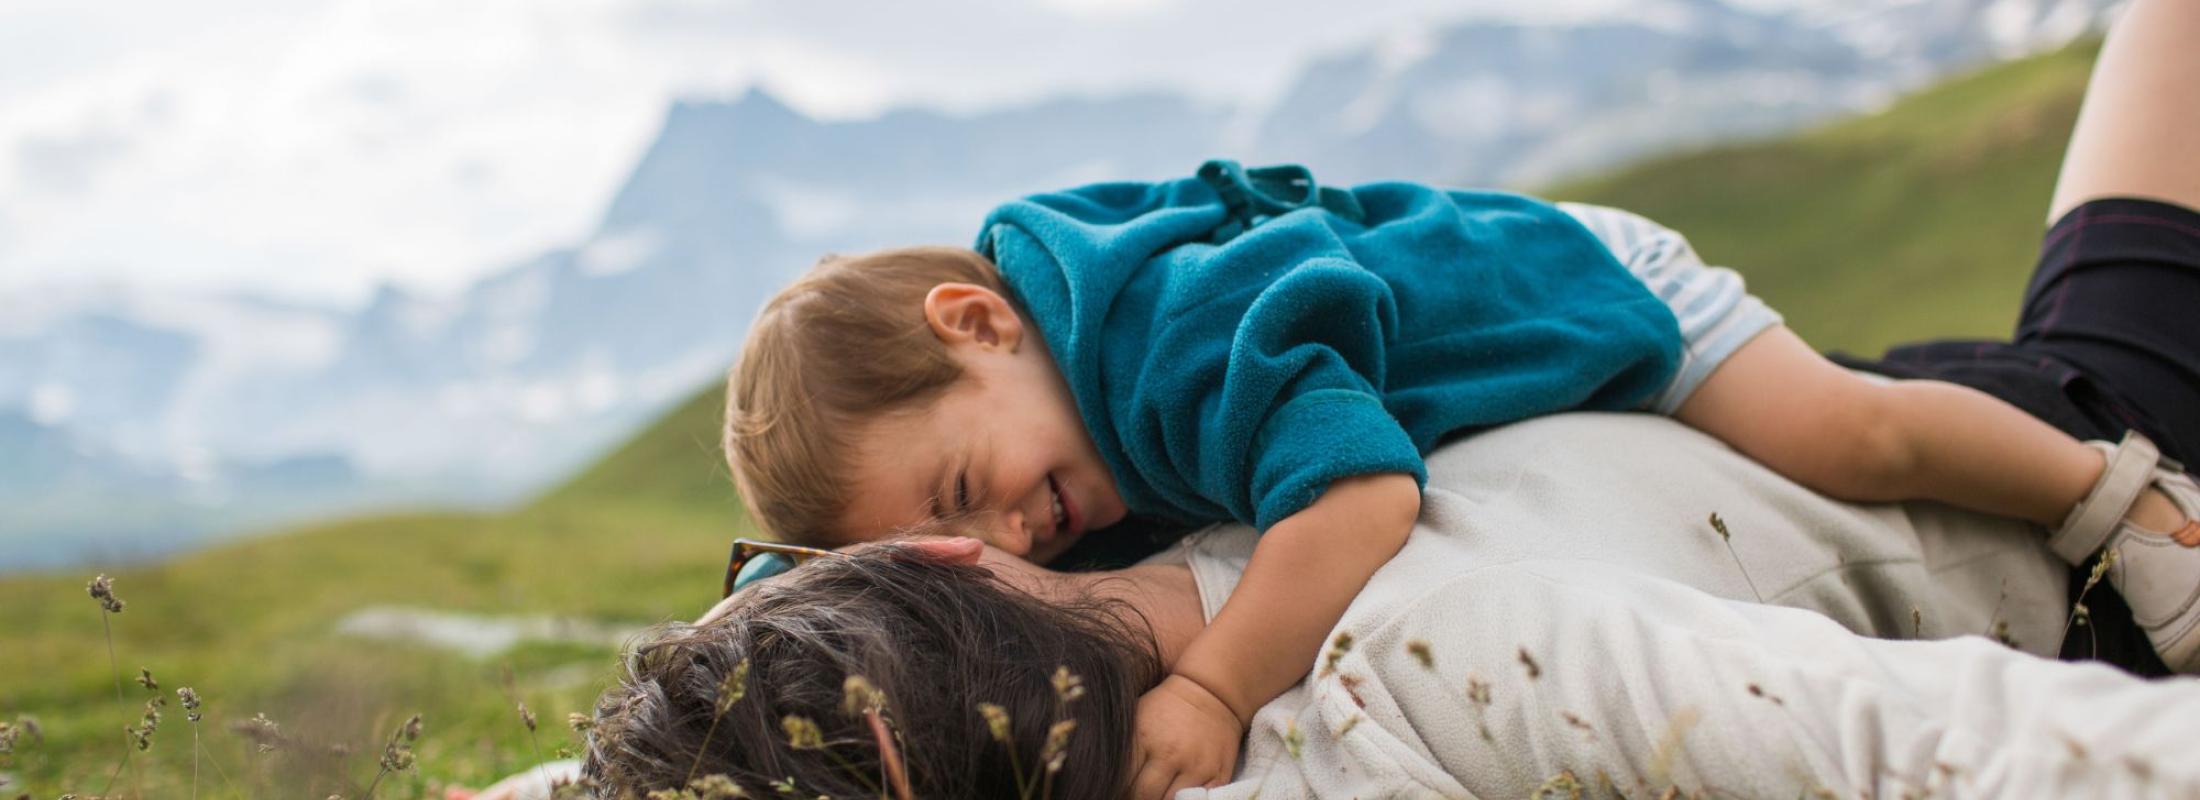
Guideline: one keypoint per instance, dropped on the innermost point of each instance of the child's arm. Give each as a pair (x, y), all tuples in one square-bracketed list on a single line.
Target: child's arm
[(1841, 434), (1305, 571)]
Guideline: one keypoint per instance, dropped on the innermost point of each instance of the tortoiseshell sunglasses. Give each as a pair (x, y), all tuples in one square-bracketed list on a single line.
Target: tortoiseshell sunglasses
[(754, 560)]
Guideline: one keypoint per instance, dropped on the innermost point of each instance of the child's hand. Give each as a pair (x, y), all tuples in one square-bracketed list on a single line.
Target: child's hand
[(1186, 736)]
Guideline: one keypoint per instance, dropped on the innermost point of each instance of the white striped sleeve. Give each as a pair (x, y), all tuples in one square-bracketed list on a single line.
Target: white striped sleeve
[(1717, 313)]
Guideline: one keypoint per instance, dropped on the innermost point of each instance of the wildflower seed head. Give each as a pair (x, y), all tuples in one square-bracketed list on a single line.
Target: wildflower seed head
[(1528, 662), (1719, 526), (142, 733), (2101, 567), (148, 724), (802, 732), (582, 789), (102, 588), (526, 717), (411, 730), (1056, 749), (396, 756), (29, 726), (858, 696), (1349, 723), (1338, 648), (1478, 690), (580, 723), (1564, 784), (1420, 651), (733, 687), (266, 734), (1067, 685), (8, 734), (996, 721), (145, 679), (190, 701), (716, 787)]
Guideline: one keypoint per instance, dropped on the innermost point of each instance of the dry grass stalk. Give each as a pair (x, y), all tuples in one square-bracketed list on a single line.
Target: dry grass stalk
[(1339, 647), (730, 691), (1564, 784), (397, 753), (2078, 609), (1726, 537), (997, 724), (1419, 650), (1068, 687), (802, 732)]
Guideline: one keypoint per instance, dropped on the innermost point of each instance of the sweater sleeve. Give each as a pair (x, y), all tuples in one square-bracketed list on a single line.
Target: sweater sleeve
[(1301, 398), (1504, 680)]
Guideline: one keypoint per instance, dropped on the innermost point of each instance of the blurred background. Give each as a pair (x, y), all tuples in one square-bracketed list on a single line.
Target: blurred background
[(419, 305)]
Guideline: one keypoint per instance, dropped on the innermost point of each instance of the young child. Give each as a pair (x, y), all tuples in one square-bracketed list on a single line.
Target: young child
[(1245, 345)]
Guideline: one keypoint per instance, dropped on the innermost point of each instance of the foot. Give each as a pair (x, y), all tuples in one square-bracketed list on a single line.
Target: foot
[(2156, 541)]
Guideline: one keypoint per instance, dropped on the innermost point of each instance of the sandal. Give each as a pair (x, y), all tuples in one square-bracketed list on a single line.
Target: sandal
[(2157, 573)]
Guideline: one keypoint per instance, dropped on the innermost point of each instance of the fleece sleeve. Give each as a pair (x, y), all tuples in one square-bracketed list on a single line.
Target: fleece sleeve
[(1301, 398)]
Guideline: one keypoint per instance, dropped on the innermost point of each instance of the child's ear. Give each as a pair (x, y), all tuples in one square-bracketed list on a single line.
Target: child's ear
[(968, 313)]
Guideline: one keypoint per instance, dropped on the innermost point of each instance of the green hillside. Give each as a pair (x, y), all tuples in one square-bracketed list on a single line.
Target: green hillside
[(1915, 222), (674, 462)]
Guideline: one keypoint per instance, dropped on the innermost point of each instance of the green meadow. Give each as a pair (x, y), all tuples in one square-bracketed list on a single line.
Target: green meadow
[(1917, 222)]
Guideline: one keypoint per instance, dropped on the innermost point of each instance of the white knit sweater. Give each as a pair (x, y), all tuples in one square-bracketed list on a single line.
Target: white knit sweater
[(1566, 612)]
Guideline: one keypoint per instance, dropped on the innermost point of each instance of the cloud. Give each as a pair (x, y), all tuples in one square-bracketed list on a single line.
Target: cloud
[(66, 165), (320, 147)]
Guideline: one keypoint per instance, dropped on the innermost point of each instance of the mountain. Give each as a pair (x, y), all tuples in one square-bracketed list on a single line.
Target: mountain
[(1917, 220), (237, 404), (1522, 104)]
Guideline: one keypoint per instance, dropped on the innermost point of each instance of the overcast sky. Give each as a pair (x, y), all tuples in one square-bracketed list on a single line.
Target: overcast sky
[(315, 148)]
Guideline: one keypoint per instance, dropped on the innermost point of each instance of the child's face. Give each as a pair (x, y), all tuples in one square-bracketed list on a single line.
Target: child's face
[(1005, 444)]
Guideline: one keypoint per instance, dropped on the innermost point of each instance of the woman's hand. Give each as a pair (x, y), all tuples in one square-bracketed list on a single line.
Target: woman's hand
[(1185, 737)]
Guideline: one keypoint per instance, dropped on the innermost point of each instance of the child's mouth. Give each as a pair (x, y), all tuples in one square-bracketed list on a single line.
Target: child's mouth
[(1062, 508)]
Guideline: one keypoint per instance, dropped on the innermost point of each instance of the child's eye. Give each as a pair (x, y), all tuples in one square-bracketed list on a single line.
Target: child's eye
[(962, 491)]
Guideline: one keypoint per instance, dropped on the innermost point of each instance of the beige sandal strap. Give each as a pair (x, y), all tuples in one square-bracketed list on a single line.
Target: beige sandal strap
[(2130, 470)]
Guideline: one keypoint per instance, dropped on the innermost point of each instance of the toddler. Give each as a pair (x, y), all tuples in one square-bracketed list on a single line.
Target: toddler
[(1247, 345)]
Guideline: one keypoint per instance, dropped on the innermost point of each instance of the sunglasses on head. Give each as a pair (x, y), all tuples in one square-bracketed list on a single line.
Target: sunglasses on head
[(754, 560)]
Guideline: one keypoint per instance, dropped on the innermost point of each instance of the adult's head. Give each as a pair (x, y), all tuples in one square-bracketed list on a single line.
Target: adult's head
[(934, 635)]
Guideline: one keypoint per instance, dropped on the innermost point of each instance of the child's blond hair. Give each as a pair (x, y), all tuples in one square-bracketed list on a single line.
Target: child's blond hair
[(841, 347)]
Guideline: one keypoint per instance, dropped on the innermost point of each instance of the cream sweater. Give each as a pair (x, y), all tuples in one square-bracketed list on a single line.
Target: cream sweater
[(1566, 612)]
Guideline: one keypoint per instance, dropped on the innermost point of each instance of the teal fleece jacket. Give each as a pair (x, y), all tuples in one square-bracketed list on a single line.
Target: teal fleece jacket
[(1238, 340)]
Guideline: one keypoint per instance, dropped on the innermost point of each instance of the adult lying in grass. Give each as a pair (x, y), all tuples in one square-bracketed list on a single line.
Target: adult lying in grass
[(1565, 606)]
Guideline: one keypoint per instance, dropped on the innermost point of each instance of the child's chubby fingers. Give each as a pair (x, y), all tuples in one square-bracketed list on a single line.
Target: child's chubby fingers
[(1185, 738), (1153, 782)]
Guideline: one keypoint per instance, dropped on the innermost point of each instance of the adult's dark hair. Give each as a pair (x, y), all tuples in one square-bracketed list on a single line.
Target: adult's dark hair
[(936, 640)]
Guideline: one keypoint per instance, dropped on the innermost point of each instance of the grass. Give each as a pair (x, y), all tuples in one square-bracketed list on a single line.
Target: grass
[(1919, 221)]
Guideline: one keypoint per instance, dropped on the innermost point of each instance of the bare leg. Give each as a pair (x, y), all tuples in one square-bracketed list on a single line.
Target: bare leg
[(2134, 137), (2141, 116)]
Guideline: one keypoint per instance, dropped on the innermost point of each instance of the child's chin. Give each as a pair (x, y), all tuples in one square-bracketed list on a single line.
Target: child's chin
[(1051, 549)]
